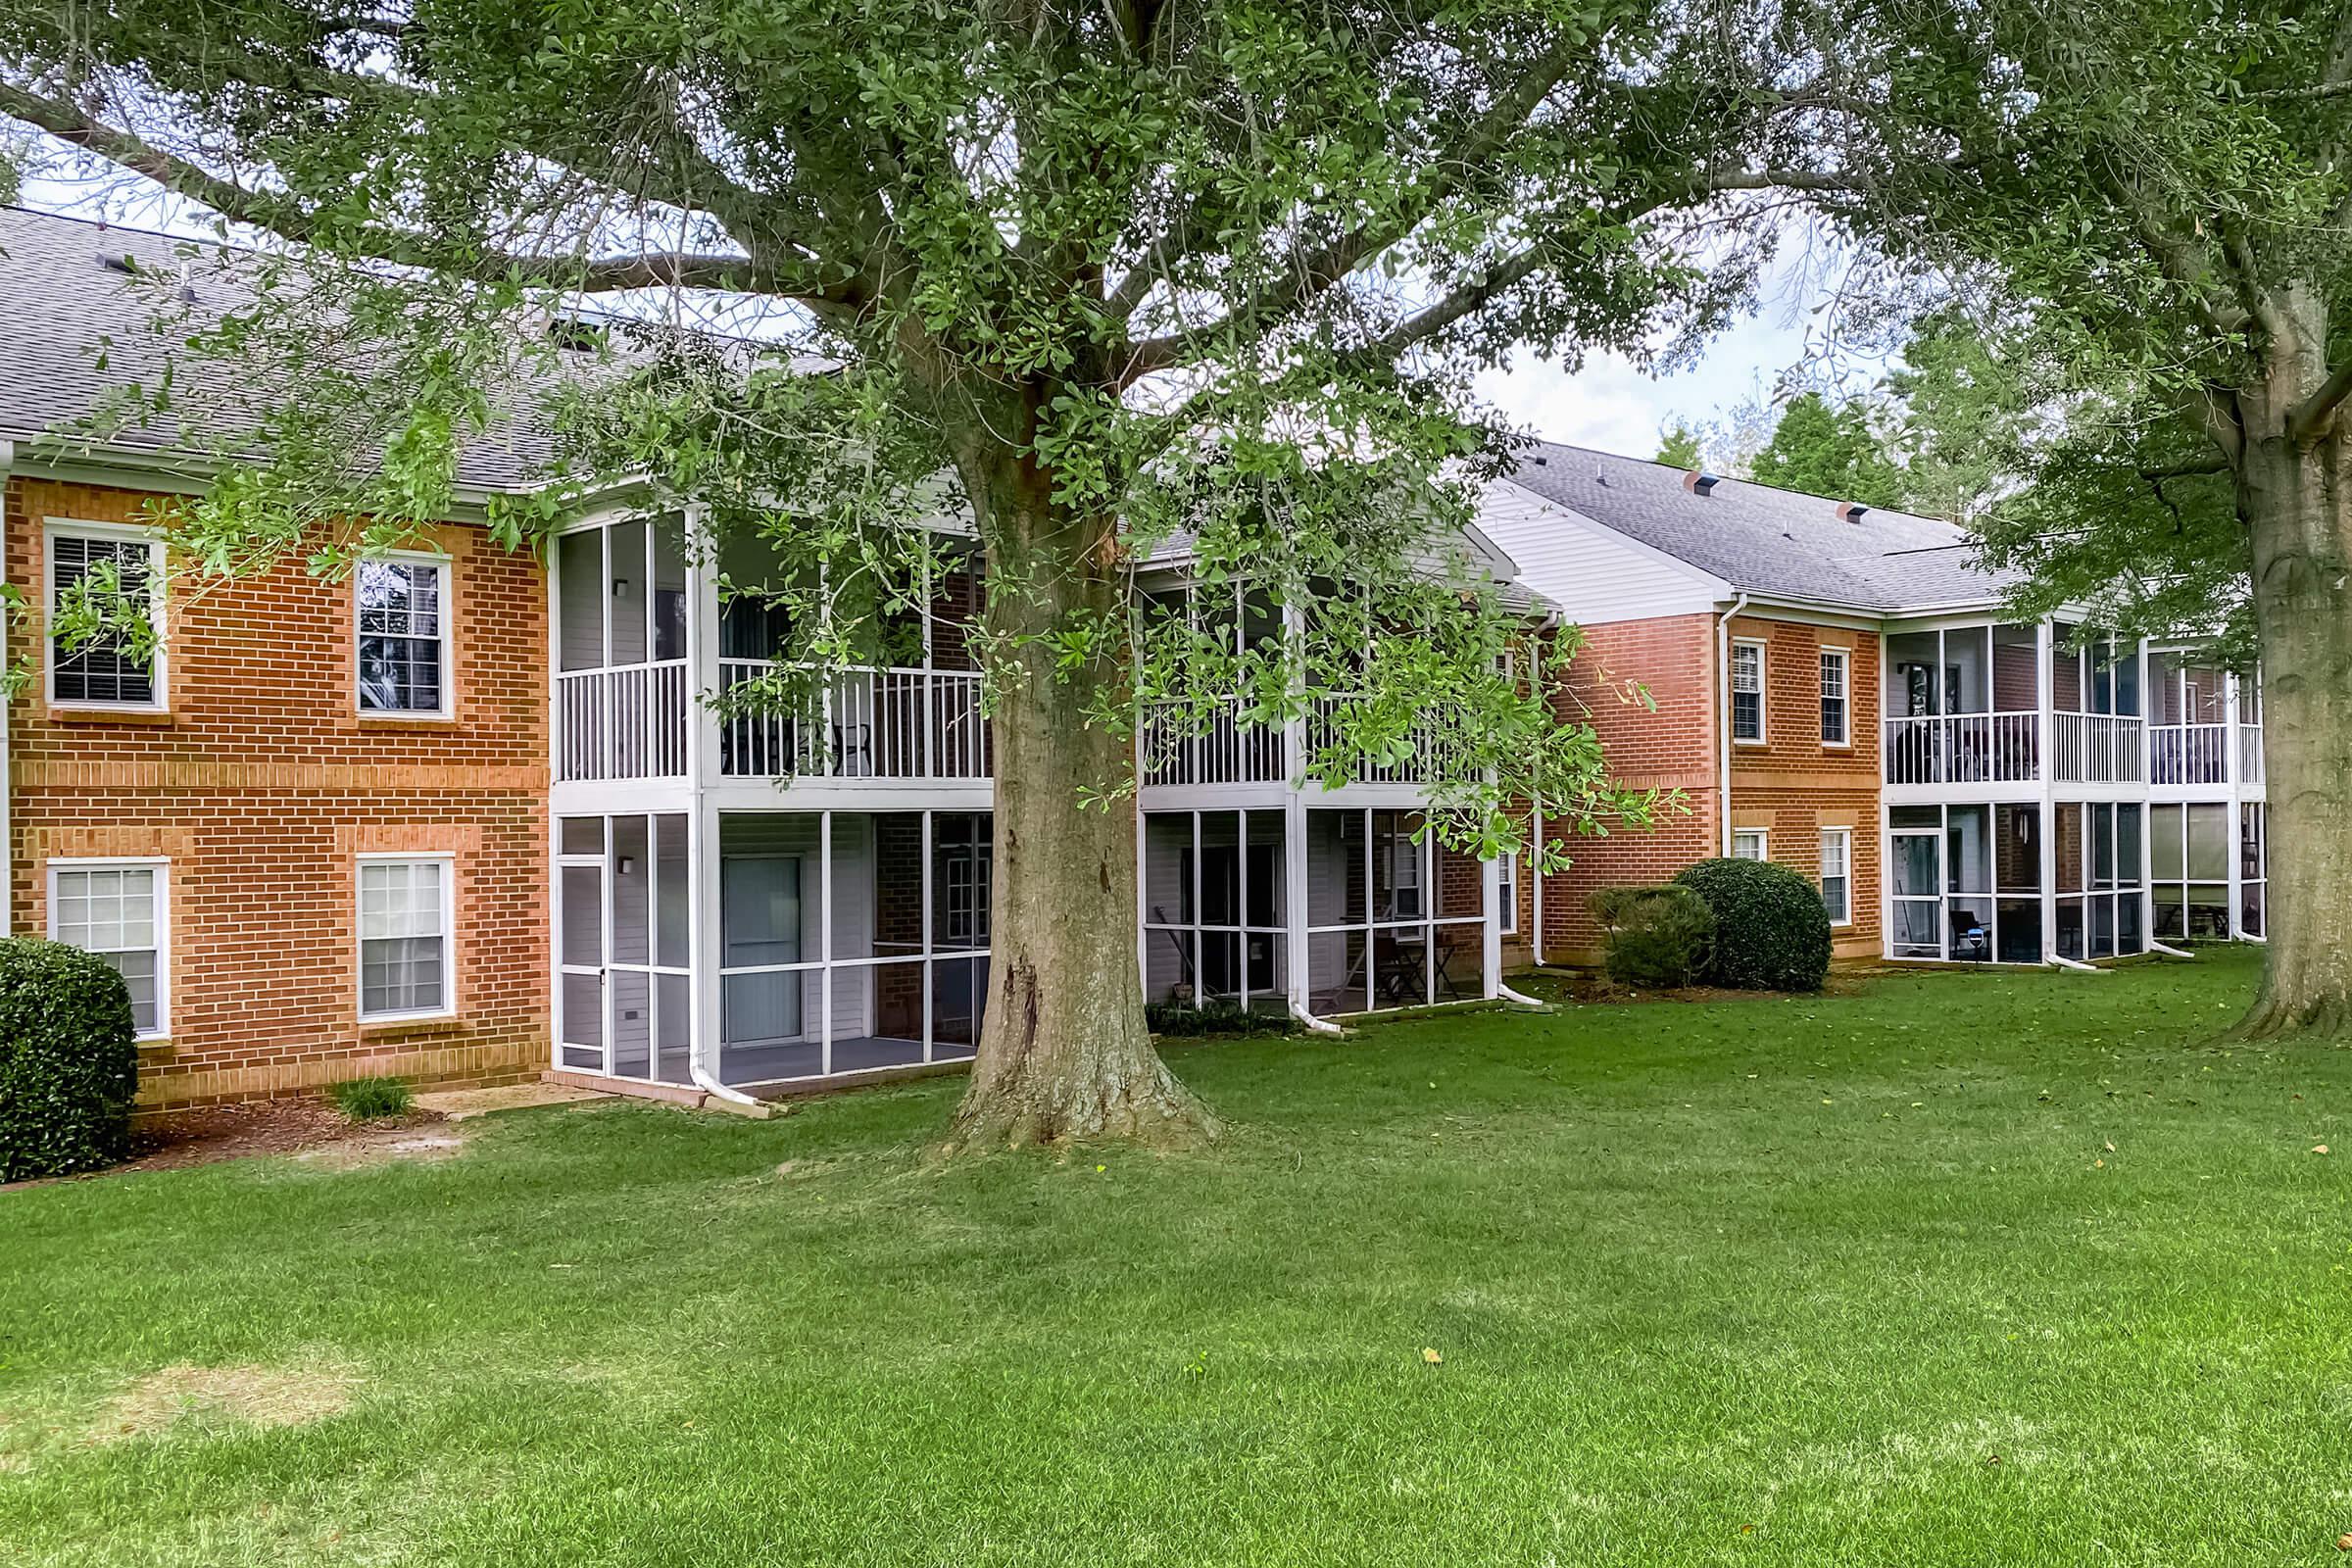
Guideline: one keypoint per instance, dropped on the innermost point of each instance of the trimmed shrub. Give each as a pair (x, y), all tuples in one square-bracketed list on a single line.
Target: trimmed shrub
[(69, 1060), (1770, 932), (1653, 936), (371, 1099)]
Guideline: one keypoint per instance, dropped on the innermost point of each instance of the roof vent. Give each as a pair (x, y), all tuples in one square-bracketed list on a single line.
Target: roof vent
[(1699, 482), (575, 336), (119, 261), (1850, 511)]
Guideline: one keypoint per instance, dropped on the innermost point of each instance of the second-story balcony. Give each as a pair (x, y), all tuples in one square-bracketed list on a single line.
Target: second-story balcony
[(865, 723), (2006, 749)]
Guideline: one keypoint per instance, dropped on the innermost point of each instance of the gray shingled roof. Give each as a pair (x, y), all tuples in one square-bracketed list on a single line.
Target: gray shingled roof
[(1766, 541), (63, 303)]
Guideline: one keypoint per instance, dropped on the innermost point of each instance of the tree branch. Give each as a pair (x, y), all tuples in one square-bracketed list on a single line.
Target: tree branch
[(2311, 416)]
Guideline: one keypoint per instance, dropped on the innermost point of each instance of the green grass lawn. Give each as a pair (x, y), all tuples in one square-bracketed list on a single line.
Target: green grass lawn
[(1968, 1269)]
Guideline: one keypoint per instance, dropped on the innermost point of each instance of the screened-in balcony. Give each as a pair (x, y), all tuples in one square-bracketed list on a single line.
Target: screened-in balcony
[(2205, 724), (1965, 704), (638, 694)]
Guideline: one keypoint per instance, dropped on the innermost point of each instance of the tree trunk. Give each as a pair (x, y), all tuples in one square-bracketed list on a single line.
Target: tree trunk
[(2299, 515), (1064, 1052)]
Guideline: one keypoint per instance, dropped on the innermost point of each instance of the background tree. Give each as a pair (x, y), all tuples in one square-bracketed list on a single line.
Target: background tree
[(2144, 208), (1093, 275), (1828, 449), (1680, 447)]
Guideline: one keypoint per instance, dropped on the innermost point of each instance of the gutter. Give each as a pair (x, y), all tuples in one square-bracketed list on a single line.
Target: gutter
[(1723, 716)]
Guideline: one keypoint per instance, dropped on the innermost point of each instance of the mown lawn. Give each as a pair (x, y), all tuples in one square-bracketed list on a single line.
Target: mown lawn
[(1969, 1269)]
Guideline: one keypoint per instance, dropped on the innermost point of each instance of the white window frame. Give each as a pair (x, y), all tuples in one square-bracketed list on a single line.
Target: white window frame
[(447, 637), (449, 935), (1763, 843), (162, 868), (1506, 888), (1731, 716), (1844, 657), (55, 528), (1846, 834)]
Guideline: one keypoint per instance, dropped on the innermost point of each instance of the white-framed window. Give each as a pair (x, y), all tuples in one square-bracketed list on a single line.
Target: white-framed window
[(1747, 843), (1838, 874), (117, 910), (402, 616), (1837, 718), (407, 912), (105, 670), (1506, 884), (1747, 692)]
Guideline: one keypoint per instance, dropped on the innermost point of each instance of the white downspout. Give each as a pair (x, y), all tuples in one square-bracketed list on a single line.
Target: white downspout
[(1723, 713)]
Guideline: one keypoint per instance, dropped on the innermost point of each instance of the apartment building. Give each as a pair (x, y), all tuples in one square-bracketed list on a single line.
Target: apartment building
[(473, 815), (1839, 690)]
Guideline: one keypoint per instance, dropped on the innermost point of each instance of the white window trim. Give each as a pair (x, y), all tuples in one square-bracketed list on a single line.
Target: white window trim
[(162, 868), (1847, 834), (160, 671), (1506, 874), (449, 936), (1763, 686), (447, 639), (1845, 665), (1763, 840)]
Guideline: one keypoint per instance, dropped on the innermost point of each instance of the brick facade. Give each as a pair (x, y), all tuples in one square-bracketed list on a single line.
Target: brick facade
[(1793, 785), (262, 783)]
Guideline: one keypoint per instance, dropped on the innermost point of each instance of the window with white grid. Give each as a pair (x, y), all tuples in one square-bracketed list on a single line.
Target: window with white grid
[(1834, 719), (1748, 690), (1747, 843), (402, 636), (117, 911), (405, 957), (102, 586), (1838, 874)]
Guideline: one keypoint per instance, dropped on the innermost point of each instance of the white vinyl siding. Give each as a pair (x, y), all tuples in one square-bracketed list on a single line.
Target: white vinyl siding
[(1594, 575), (116, 910), (1838, 874), (407, 966), (1747, 692)]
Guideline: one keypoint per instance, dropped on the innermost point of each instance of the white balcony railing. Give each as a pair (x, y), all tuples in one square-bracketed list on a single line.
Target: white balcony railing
[(1230, 751), (622, 723), (869, 723), (2188, 753), (1962, 749), (2249, 753), (1419, 765), (2097, 748)]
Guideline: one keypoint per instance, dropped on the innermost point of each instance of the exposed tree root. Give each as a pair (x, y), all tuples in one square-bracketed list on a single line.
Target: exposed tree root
[(2323, 1020), (1151, 1108)]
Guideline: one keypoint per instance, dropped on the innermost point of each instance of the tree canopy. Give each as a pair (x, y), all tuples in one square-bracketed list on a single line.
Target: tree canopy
[(1828, 449)]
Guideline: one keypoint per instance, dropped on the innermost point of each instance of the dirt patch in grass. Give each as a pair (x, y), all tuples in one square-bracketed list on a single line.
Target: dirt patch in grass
[(383, 1146), (240, 1132), (256, 1395)]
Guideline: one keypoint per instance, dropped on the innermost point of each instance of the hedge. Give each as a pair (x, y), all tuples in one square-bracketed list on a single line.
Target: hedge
[(1653, 936), (69, 1060), (1770, 932)]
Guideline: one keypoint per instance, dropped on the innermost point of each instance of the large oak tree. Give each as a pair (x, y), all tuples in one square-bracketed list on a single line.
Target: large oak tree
[(1093, 274)]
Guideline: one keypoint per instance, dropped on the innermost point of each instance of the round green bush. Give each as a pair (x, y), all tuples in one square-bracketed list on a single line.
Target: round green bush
[(69, 1060), (1770, 932), (1653, 936)]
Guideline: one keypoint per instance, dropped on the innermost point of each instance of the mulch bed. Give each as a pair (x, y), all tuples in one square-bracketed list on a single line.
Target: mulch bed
[(1591, 985)]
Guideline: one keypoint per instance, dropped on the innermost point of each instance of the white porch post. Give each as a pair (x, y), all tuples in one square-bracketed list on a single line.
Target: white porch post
[(2044, 699), (2232, 778), (1294, 900), (930, 965), (704, 952), (1531, 865), (1491, 881), (824, 940)]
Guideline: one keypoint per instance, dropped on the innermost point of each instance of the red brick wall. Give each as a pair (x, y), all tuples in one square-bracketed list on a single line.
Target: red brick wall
[(1672, 658), (263, 784), (1793, 785)]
